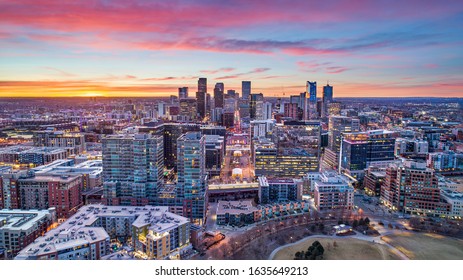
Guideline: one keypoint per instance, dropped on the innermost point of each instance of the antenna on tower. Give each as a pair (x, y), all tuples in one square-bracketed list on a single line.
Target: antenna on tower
[(328, 82)]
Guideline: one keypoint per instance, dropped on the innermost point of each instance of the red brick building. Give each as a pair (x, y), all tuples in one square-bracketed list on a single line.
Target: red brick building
[(41, 192), (413, 189)]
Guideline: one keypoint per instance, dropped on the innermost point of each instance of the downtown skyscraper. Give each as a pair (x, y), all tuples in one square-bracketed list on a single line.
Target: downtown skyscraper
[(218, 95), (245, 89), (312, 91), (327, 99), (202, 85)]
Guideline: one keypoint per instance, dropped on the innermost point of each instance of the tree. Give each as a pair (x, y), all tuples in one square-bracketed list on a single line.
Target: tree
[(321, 250), (355, 223), (367, 221), (361, 222), (335, 244), (298, 255), (321, 226), (315, 254)]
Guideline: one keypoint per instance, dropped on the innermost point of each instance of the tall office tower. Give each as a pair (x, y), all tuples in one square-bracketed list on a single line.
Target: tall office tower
[(173, 99), (267, 111), (303, 105), (361, 150), (229, 105), (192, 178), (228, 119), (182, 92), (243, 107), (202, 85), (354, 153), (319, 108), (327, 99), (246, 89), (218, 95), (209, 104), (257, 100), (293, 151), (217, 115), (201, 104), (171, 132), (312, 91), (337, 125), (188, 109), (133, 166), (231, 93), (413, 189)]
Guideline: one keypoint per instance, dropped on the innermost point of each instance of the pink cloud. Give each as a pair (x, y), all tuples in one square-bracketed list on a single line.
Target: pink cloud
[(314, 67), (221, 70), (431, 66)]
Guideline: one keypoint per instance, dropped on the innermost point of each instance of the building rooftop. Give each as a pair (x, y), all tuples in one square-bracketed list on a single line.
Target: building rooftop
[(235, 207), (51, 178), (22, 220), (91, 167), (80, 228), (454, 195), (379, 174)]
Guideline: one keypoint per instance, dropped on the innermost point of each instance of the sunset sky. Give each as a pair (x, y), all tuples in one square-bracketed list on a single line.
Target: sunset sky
[(150, 48)]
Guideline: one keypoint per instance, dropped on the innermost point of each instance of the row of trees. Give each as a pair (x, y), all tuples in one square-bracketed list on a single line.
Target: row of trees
[(356, 223), (315, 251)]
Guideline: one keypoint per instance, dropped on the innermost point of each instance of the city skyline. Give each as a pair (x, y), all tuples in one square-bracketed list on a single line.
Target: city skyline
[(103, 48)]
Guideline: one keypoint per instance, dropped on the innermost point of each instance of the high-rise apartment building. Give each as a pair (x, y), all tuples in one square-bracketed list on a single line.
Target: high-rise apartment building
[(201, 104), (192, 178), (133, 166)]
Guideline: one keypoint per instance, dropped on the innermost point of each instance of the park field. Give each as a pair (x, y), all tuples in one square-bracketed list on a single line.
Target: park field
[(426, 246), (346, 249)]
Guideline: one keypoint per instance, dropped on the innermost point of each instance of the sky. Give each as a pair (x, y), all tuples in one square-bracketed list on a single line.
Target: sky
[(150, 48)]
